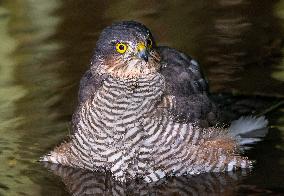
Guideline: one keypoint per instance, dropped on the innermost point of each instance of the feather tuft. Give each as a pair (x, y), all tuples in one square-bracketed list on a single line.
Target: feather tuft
[(249, 130)]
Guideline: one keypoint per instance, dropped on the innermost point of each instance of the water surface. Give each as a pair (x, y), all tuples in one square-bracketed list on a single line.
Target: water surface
[(46, 46)]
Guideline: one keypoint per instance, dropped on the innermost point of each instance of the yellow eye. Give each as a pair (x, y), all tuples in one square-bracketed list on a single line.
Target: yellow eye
[(121, 48), (149, 43)]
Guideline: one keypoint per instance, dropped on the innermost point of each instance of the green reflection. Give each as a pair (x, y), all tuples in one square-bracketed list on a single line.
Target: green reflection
[(9, 94), (279, 73), (25, 27)]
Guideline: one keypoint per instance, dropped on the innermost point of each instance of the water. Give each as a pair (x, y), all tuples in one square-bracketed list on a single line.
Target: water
[(46, 45)]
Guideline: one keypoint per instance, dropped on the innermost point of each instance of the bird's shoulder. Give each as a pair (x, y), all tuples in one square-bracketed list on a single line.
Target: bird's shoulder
[(89, 84), (182, 73), (187, 88)]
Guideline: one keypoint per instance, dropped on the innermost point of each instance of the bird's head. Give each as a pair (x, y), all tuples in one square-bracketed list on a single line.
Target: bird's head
[(126, 50)]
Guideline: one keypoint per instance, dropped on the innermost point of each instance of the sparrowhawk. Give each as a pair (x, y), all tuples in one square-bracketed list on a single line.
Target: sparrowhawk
[(144, 113)]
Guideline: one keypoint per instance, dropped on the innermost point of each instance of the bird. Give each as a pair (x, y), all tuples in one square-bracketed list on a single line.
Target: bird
[(144, 112)]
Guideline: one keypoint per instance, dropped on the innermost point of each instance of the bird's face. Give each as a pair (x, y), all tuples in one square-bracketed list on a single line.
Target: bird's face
[(126, 50)]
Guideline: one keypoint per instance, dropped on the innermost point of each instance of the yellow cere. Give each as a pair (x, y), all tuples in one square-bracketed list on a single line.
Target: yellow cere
[(121, 48), (141, 46)]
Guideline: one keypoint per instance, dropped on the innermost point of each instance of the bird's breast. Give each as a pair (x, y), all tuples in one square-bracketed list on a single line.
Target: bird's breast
[(119, 105), (110, 125)]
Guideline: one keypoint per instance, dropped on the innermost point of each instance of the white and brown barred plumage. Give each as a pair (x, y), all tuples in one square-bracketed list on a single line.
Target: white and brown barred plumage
[(126, 123)]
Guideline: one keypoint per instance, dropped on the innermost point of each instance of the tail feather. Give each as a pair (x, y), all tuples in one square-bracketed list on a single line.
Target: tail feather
[(249, 130)]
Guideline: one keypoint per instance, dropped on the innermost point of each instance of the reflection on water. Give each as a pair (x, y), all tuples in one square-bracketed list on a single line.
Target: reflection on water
[(27, 87), (83, 182), (46, 45), (243, 44)]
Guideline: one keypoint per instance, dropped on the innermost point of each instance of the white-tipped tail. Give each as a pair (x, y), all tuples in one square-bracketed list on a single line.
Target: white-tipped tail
[(249, 129)]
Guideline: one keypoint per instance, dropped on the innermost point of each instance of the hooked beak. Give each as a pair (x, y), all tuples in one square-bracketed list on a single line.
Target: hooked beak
[(142, 52)]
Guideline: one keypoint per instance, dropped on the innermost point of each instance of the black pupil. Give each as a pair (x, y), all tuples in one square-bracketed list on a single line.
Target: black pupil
[(149, 42), (121, 47)]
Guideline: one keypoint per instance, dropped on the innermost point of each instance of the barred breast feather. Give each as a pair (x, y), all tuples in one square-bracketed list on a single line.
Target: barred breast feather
[(122, 128)]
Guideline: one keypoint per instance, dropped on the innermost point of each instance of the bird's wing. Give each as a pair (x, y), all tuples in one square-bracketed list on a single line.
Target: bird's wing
[(89, 84), (182, 73), (187, 87)]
